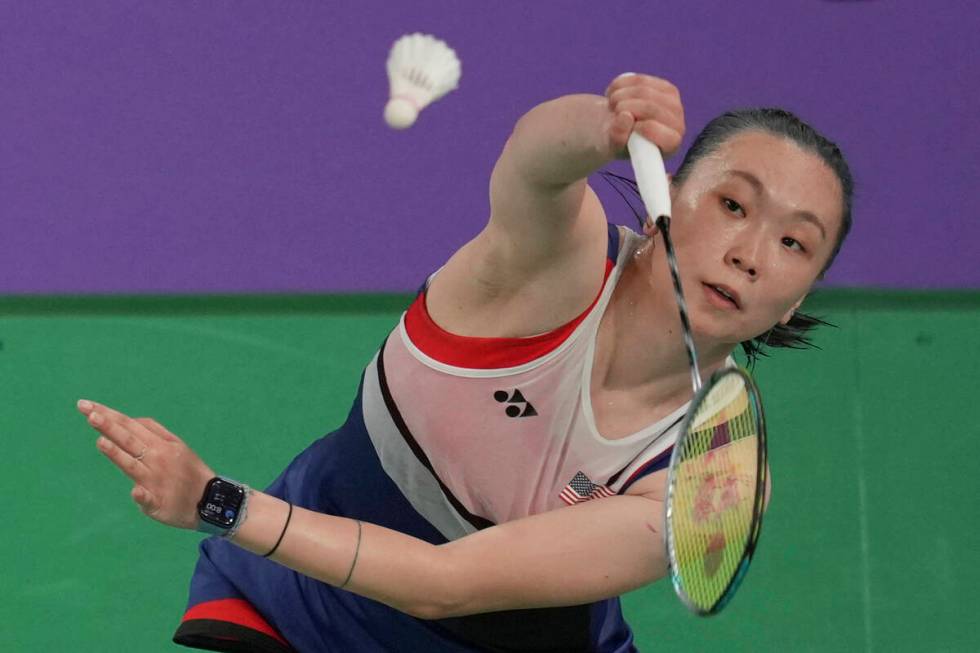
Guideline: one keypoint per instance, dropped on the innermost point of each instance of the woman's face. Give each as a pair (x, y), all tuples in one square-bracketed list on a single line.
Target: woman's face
[(753, 224)]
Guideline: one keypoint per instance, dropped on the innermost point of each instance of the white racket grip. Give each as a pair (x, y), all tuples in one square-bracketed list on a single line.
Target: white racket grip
[(651, 176)]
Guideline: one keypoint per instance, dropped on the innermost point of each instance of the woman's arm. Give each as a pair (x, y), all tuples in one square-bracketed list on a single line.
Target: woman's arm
[(568, 556), (539, 179), (546, 239)]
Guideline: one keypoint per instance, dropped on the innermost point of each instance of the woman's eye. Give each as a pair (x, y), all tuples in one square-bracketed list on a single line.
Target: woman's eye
[(792, 243), (733, 206)]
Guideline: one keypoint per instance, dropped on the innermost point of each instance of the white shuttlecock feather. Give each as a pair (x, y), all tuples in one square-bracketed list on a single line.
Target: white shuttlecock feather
[(421, 69)]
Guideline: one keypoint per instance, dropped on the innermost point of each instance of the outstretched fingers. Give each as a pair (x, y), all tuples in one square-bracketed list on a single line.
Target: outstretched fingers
[(168, 476), (157, 429), (125, 441), (126, 463)]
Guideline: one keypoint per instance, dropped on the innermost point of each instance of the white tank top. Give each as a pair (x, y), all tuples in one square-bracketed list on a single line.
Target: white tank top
[(470, 446)]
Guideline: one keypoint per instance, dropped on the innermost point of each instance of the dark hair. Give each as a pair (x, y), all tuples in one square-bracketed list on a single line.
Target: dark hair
[(779, 122)]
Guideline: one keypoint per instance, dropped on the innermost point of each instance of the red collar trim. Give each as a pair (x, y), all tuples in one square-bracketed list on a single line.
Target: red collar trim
[(485, 353)]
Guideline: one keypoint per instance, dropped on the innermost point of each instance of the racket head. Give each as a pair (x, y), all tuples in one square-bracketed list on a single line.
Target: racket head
[(715, 491)]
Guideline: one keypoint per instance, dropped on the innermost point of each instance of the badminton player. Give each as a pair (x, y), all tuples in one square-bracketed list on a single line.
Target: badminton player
[(499, 481)]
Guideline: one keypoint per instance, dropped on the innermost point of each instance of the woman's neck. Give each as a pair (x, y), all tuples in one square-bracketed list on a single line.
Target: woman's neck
[(641, 345)]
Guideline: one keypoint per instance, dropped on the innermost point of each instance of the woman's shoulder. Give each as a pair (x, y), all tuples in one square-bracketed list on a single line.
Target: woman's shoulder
[(493, 287)]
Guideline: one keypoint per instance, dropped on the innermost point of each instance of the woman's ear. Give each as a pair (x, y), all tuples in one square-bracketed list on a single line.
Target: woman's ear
[(649, 229), (789, 314)]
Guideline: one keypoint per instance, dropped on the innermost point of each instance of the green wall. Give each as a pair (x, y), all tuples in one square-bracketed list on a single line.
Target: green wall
[(871, 541)]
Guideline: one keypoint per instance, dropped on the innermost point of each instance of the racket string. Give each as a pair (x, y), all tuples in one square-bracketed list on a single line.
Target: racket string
[(715, 496)]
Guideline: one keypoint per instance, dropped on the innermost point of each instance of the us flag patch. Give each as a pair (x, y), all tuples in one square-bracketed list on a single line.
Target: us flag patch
[(581, 488)]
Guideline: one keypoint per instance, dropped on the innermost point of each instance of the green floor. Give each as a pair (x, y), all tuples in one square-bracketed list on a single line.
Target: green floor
[(871, 542)]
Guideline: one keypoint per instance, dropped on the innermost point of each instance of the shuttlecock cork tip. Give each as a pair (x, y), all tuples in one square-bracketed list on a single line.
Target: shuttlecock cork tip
[(400, 113)]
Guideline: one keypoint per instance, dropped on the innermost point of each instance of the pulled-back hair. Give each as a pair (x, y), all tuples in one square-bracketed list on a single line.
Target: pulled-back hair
[(778, 122)]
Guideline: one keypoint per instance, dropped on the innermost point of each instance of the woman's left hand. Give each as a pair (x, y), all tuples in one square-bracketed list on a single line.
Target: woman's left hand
[(169, 478)]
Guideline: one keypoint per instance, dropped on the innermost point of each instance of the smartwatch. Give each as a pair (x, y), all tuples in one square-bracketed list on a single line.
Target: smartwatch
[(222, 508)]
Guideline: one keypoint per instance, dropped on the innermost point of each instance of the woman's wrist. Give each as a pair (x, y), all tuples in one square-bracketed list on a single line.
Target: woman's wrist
[(385, 565), (242, 513), (282, 534), (262, 529), (322, 546)]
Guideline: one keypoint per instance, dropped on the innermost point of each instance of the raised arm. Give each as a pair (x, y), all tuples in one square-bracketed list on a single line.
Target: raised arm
[(547, 229), (538, 187)]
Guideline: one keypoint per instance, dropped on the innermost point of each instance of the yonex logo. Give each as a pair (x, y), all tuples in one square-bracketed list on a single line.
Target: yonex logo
[(516, 399)]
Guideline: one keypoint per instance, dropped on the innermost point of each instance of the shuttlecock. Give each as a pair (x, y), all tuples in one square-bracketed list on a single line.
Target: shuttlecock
[(421, 69)]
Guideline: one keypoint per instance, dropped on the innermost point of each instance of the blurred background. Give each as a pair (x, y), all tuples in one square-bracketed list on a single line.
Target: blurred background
[(206, 221)]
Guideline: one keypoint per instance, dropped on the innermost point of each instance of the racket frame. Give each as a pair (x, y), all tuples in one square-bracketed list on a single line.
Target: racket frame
[(758, 500)]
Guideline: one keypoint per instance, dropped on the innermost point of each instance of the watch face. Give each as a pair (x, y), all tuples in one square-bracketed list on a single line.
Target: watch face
[(221, 503)]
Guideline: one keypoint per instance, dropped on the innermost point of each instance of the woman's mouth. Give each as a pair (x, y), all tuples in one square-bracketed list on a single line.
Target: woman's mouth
[(721, 296)]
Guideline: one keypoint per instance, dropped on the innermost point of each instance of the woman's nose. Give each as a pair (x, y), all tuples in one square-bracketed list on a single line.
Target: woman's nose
[(746, 254), (742, 265)]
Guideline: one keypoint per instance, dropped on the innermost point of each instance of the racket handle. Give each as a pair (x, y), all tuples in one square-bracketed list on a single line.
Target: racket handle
[(651, 176)]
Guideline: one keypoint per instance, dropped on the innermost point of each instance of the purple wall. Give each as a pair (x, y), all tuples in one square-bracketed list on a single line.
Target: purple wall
[(239, 147)]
